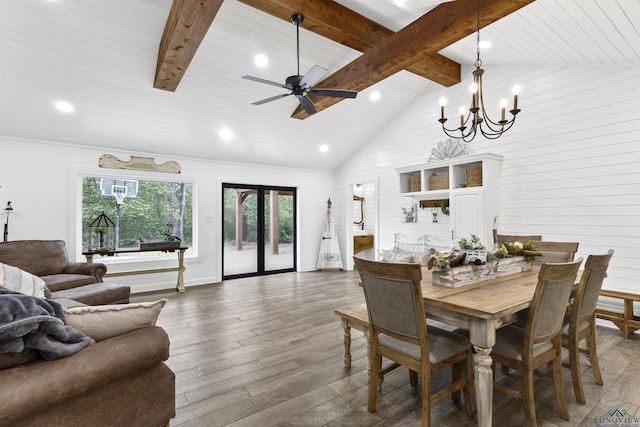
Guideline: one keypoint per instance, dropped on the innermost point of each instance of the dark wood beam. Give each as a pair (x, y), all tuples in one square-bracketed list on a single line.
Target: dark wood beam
[(186, 26), (437, 29), (340, 24)]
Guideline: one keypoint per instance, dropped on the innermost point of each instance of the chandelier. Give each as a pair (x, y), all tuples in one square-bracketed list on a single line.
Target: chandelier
[(477, 120)]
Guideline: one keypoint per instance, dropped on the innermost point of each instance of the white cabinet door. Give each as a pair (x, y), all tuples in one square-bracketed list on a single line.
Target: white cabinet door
[(467, 215)]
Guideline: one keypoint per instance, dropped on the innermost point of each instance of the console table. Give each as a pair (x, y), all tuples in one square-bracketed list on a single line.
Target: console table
[(111, 252)]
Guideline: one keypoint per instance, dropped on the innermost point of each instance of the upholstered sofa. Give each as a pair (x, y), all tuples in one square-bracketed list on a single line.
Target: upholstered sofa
[(79, 281), (121, 381), (68, 364)]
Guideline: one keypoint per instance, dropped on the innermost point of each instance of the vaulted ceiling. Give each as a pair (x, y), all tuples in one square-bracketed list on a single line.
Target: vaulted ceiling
[(152, 76)]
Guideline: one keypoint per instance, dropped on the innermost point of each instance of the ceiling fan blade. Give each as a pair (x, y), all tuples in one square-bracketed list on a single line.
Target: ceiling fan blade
[(273, 98), (307, 104), (337, 93), (259, 80), (313, 76)]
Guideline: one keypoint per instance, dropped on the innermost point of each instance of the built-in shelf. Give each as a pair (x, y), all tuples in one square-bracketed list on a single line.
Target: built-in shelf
[(471, 184), (435, 180)]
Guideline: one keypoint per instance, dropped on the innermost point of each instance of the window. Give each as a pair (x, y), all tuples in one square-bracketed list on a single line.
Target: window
[(142, 210)]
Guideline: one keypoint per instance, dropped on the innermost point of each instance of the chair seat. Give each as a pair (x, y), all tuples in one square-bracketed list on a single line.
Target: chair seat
[(442, 345), (509, 341)]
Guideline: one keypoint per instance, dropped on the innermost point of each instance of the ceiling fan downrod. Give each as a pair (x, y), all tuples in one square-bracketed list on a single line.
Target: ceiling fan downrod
[(297, 19)]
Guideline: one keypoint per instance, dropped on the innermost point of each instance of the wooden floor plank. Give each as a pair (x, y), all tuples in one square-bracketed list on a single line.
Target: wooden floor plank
[(268, 351)]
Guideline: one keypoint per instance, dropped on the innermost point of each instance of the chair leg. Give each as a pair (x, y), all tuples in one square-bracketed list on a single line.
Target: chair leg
[(591, 343), (376, 363), (426, 399), (413, 378), (574, 364), (456, 374), (557, 383), (469, 389), (528, 398)]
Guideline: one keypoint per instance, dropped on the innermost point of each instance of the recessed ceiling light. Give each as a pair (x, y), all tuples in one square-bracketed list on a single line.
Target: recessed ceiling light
[(485, 44), (324, 148), (374, 96), (225, 134), (261, 60), (64, 106)]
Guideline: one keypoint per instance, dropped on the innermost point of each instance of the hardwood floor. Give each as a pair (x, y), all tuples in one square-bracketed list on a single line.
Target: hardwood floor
[(267, 351)]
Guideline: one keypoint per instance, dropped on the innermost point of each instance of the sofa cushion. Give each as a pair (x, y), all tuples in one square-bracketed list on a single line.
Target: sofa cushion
[(107, 321), (17, 280), (39, 257), (96, 294), (58, 282), (69, 303)]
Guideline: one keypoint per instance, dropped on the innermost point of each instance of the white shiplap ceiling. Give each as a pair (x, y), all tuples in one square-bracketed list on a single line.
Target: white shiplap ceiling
[(101, 57)]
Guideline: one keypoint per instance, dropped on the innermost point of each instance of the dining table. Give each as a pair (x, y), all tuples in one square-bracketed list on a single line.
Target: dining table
[(481, 308)]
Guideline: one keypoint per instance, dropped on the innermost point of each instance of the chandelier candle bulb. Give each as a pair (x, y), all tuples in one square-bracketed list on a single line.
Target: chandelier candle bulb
[(443, 101), (474, 96), (503, 106), (516, 91), (462, 113)]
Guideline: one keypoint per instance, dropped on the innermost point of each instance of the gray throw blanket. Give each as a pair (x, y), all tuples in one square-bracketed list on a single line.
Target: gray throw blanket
[(28, 323)]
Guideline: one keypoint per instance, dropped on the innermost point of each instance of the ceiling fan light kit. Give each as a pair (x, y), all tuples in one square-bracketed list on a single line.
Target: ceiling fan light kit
[(301, 85), (477, 120)]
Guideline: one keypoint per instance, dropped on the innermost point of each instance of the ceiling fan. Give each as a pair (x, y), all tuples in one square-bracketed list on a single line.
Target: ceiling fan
[(300, 85)]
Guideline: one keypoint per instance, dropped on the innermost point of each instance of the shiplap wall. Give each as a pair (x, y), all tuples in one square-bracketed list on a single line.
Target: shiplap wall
[(571, 169)]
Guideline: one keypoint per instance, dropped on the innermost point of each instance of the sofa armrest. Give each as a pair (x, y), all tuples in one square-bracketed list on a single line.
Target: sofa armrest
[(97, 270), (35, 386)]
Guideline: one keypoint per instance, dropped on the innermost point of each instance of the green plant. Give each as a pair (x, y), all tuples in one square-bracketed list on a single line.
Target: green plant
[(473, 244), (444, 207), (442, 261), (516, 248)]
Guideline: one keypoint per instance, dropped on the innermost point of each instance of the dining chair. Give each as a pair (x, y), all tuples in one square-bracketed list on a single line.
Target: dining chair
[(554, 252), (540, 342), (580, 321), (399, 332)]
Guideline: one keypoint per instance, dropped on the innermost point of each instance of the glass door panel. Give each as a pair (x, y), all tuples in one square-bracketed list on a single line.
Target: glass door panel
[(258, 230), (240, 245), (279, 230)]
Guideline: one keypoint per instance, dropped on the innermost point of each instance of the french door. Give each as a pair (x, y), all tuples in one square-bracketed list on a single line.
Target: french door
[(259, 230)]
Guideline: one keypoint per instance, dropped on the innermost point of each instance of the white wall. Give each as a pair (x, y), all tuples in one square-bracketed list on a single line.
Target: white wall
[(41, 179), (571, 169)]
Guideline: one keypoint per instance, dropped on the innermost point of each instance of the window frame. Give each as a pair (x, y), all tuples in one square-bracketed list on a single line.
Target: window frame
[(142, 257)]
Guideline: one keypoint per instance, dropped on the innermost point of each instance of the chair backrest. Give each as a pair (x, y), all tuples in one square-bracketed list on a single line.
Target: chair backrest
[(595, 270), (501, 238), (394, 298), (550, 300), (555, 252)]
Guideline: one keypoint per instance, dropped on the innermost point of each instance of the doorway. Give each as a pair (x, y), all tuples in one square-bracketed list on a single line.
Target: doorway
[(259, 230), (362, 227)]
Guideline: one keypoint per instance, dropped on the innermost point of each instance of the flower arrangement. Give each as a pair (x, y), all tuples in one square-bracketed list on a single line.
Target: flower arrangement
[(446, 260), (506, 249)]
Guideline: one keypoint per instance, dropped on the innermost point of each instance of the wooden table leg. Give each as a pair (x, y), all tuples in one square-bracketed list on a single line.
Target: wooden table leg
[(483, 381), (180, 286), (347, 342), (483, 337)]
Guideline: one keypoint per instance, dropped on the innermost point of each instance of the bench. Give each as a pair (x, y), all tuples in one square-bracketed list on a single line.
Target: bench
[(354, 316), (626, 321)]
